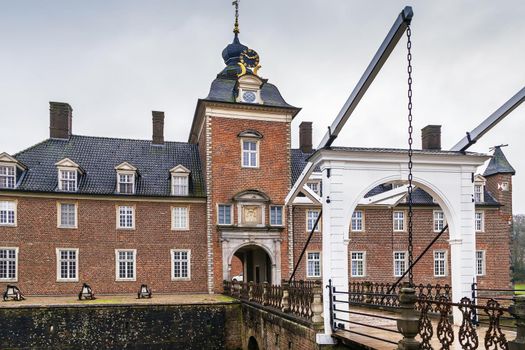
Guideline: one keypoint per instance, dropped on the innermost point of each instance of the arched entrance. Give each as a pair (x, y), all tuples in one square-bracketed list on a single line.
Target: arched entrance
[(253, 262), (252, 344)]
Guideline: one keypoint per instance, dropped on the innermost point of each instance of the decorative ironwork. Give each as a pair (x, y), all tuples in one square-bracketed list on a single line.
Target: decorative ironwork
[(445, 333), (494, 338), (257, 292), (426, 331), (468, 337), (301, 298), (275, 296)]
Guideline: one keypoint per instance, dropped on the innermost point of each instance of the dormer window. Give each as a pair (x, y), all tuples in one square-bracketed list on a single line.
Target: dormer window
[(180, 176), (126, 183), (479, 189), (7, 176), (249, 89), (68, 180), (9, 169), (126, 175), (68, 172)]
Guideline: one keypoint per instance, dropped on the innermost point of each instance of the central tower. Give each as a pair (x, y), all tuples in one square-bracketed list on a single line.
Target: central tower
[(242, 129)]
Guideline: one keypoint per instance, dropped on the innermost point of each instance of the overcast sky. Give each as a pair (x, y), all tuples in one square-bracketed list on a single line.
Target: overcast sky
[(116, 61)]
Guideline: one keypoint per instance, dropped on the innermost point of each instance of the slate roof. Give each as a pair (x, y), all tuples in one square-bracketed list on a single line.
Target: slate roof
[(401, 150), (223, 90), (421, 197), (98, 156), (299, 160), (499, 164)]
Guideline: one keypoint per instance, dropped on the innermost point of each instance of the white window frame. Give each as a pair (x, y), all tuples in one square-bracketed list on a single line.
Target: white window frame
[(282, 215), (59, 215), (478, 195), (481, 222), (131, 175), (438, 223), (132, 227), (313, 261), (5, 176), (180, 189), (117, 265), (187, 278), (356, 260), (444, 260), (14, 204), (61, 178), (15, 279), (395, 227), (308, 226), (354, 227), (483, 264), (59, 267), (397, 260), (256, 151), (230, 207), (186, 226), (316, 184)]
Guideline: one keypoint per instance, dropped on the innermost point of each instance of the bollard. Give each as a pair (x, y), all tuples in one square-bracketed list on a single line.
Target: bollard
[(285, 301), (266, 292), (408, 323), (518, 311), (250, 291), (317, 307)]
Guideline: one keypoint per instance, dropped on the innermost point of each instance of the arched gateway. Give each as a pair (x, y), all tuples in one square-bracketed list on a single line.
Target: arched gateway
[(349, 173)]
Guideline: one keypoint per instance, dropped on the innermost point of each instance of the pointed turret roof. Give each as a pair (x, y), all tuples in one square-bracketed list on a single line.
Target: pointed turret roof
[(499, 164)]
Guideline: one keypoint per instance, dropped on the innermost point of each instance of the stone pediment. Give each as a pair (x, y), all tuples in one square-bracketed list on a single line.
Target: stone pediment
[(251, 196)]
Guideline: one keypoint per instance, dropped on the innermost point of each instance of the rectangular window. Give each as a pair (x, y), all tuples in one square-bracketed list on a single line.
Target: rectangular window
[(480, 262), (224, 216), (315, 186), (7, 176), (313, 264), (440, 263), (67, 180), (400, 263), (8, 213), (180, 264), (478, 193), (276, 215), (399, 221), (311, 217), (67, 215), (358, 264), (8, 264), (180, 218), (479, 222), (357, 220), (126, 183), (249, 154), (67, 265), (126, 264), (180, 185), (439, 220), (126, 217)]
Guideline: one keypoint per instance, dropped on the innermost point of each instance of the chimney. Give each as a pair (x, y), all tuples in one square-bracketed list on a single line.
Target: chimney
[(305, 137), (431, 137), (60, 120), (158, 128)]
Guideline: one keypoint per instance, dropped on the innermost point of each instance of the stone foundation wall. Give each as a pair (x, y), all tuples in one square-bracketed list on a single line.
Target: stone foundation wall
[(216, 326)]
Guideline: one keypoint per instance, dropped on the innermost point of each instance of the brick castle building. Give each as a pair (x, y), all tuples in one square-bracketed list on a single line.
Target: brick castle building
[(183, 216)]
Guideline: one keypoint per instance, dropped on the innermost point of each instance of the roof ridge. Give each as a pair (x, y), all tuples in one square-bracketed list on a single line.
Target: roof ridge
[(126, 139)]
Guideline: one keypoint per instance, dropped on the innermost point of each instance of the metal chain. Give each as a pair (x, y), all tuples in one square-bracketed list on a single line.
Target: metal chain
[(410, 152)]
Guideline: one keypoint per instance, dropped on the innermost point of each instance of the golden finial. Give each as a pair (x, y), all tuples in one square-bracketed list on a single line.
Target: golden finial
[(236, 26)]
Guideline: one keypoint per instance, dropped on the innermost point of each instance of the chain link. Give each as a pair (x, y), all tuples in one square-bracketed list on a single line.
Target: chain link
[(410, 152)]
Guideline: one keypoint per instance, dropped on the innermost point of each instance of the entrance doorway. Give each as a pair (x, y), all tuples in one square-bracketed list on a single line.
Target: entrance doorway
[(253, 263)]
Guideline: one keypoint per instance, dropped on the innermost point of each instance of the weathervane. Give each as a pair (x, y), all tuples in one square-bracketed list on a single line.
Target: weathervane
[(236, 26)]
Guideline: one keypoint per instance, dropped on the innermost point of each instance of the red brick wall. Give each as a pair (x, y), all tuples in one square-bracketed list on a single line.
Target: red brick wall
[(37, 237), (300, 236), (380, 241), (229, 177)]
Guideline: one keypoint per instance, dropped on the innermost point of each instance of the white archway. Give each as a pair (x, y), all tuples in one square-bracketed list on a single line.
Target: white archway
[(349, 173)]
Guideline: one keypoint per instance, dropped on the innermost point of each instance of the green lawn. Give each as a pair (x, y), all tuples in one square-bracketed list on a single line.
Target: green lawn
[(520, 286)]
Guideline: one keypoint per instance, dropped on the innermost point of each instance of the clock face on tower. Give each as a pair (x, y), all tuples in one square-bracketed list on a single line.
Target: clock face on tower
[(250, 58), (248, 96)]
